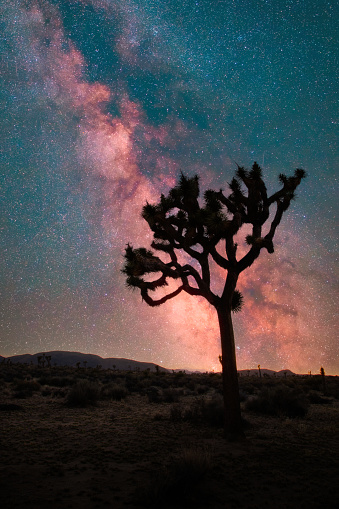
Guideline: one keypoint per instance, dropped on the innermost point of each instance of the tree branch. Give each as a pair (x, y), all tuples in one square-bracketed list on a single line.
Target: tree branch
[(157, 302), (219, 259), (276, 221)]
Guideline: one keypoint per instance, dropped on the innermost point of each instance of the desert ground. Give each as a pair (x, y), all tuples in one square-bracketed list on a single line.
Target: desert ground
[(90, 438)]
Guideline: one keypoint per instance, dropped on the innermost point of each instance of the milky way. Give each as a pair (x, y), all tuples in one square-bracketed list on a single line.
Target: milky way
[(103, 103)]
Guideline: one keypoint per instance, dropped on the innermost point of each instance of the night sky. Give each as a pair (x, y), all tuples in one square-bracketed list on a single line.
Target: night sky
[(103, 103)]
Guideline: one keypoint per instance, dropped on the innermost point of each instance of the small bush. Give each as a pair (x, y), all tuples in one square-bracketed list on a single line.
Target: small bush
[(177, 413), (25, 388), (316, 398), (114, 391), (27, 385), (280, 401), (10, 407), (212, 410), (154, 394), (208, 410), (176, 482), (171, 395), (83, 393), (57, 381)]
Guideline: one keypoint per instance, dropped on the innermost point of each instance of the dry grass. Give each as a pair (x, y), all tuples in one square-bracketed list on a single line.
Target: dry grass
[(131, 453)]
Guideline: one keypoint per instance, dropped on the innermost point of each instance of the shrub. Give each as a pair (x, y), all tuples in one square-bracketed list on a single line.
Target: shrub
[(177, 413), (212, 410), (83, 393), (57, 381), (154, 394), (280, 401), (175, 482), (171, 395), (208, 410), (114, 391), (316, 398), (25, 388), (9, 407), (27, 385)]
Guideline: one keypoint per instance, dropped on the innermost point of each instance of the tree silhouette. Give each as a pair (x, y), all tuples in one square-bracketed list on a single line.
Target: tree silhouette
[(204, 233)]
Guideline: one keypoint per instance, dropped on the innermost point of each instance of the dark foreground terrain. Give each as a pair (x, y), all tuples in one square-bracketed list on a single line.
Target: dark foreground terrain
[(93, 438)]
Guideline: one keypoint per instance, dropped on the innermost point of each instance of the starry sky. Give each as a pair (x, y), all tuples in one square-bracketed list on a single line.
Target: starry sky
[(103, 103)]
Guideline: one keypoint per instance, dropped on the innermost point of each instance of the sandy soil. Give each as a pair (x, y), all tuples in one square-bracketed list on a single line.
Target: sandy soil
[(118, 455)]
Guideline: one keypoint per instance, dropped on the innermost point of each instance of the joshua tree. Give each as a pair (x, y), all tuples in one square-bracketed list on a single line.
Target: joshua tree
[(259, 370), (322, 372), (206, 232), (48, 359)]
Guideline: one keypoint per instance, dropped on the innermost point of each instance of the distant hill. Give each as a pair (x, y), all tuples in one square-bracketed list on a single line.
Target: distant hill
[(60, 358)]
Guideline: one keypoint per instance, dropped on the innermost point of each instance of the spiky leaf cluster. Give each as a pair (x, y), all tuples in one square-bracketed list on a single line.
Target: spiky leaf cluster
[(203, 231)]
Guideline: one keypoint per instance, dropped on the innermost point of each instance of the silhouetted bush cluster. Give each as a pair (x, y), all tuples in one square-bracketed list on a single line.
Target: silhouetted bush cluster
[(57, 381), (83, 393), (25, 388), (168, 395), (280, 401), (195, 397), (179, 481), (209, 410), (113, 391)]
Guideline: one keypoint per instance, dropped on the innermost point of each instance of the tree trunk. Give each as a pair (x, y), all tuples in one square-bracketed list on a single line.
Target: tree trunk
[(232, 423)]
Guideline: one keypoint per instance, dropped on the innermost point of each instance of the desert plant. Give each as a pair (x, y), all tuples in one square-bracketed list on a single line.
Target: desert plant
[(209, 410), (323, 379), (114, 391), (171, 395), (57, 381), (154, 394), (83, 393), (212, 410), (279, 401), (178, 480), (25, 388), (316, 398), (180, 223)]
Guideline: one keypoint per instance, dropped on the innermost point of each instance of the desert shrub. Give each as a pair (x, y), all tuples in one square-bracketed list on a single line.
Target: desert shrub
[(57, 381), (171, 395), (177, 412), (114, 391), (10, 407), (212, 410), (313, 382), (207, 410), (315, 397), (133, 382), (201, 389), (46, 391), (25, 388), (333, 387), (27, 385), (280, 401), (83, 393), (178, 480), (154, 394)]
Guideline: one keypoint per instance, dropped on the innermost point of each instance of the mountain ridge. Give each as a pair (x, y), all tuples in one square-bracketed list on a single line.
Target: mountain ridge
[(71, 358)]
